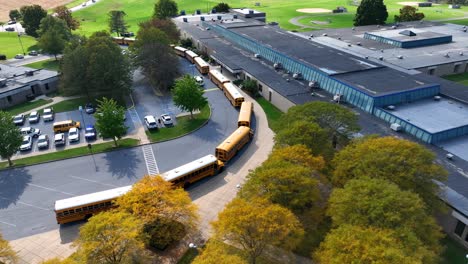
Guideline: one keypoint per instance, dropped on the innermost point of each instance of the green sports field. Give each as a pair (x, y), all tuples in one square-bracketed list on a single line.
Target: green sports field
[(10, 45), (94, 18)]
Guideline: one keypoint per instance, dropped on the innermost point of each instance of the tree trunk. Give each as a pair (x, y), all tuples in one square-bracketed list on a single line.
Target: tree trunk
[(55, 55), (191, 114), (9, 162), (115, 142)]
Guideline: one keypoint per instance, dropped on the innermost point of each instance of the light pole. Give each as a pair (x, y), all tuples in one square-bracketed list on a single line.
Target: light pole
[(19, 38), (89, 145)]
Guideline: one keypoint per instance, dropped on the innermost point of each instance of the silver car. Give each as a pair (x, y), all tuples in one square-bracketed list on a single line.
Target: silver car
[(43, 142), (34, 117), (26, 144), (48, 114)]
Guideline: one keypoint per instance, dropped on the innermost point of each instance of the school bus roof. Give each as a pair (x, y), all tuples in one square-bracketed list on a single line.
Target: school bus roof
[(234, 138), (191, 53), (91, 198), (63, 122), (201, 62), (232, 89), (189, 167), (180, 48), (219, 76)]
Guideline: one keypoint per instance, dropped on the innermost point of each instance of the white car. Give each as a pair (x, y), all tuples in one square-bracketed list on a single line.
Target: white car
[(34, 117), (199, 80), (59, 139), (18, 120), (150, 122), (48, 114), (26, 144), (43, 141), (34, 132), (167, 120), (73, 135)]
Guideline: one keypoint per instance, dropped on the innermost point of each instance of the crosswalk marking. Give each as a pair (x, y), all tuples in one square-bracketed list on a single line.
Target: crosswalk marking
[(151, 165)]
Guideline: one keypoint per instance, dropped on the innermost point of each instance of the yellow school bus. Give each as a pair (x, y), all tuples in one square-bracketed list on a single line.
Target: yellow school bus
[(245, 114), (190, 55), (233, 94), (84, 206), (228, 149), (218, 78), (193, 171), (180, 51), (202, 66)]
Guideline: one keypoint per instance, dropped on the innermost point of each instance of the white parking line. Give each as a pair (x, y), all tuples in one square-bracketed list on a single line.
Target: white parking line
[(7, 224), (23, 203), (150, 160), (50, 189), (84, 179)]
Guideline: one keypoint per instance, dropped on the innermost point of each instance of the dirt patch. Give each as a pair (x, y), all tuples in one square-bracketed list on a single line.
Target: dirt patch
[(7, 5), (310, 10), (413, 3)]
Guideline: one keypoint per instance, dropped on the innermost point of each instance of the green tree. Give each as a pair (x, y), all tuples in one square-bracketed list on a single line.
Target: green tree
[(371, 12), (188, 95), (222, 7), (14, 14), (54, 34), (166, 26), (251, 87), (117, 22), (110, 238), (110, 120), (408, 13), (11, 139), (65, 14), (354, 244), (381, 204), (164, 9), (32, 16), (167, 213), (7, 254), (217, 252), (74, 63), (306, 133), (339, 122), (407, 164), (255, 224), (154, 55)]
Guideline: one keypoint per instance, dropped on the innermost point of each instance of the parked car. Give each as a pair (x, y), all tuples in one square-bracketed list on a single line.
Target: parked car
[(34, 132), (167, 120), (89, 108), (73, 135), (48, 114), (150, 122), (199, 80), (33, 53), (34, 117), (43, 142), (59, 139), (90, 133), (19, 56), (84, 4), (26, 144), (11, 22), (19, 120), (9, 29)]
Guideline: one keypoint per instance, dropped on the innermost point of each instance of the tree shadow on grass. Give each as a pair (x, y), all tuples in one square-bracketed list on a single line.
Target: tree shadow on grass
[(12, 185)]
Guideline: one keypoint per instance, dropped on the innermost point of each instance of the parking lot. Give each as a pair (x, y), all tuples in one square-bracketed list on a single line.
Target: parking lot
[(47, 129)]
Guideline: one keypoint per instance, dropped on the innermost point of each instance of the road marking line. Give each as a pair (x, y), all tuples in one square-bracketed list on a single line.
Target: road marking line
[(150, 160), (23, 203), (210, 90), (50, 189), (84, 179), (7, 224)]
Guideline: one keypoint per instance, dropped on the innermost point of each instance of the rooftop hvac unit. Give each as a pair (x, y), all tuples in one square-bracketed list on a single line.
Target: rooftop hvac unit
[(400, 57), (366, 57), (391, 107), (393, 27), (337, 98), (461, 53), (202, 18), (256, 55), (349, 45), (437, 98), (359, 43), (449, 156), (324, 34), (29, 73), (277, 65), (185, 19), (198, 12), (381, 58), (313, 84), (3, 82), (297, 75)]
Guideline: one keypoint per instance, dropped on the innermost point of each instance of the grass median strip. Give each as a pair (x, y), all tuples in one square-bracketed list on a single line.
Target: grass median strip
[(70, 153), (26, 106), (51, 64), (184, 125)]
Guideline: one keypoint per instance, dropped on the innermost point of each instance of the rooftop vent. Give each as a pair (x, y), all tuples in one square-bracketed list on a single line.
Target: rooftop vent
[(359, 43), (391, 107), (29, 73), (324, 34), (381, 58), (3, 82), (461, 53), (256, 55), (400, 57), (366, 57), (447, 55), (449, 156), (408, 33), (297, 75), (313, 84), (277, 65), (437, 98), (349, 45)]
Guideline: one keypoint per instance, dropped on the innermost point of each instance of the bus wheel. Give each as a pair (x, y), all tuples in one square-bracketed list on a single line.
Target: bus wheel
[(88, 216), (186, 185)]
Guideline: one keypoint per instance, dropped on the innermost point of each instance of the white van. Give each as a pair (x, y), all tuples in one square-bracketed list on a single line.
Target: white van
[(395, 127)]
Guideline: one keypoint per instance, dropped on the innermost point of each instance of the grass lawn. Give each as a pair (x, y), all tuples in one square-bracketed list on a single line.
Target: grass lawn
[(94, 18), (70, 153), (184, 125), (273, 114), (51, 64), (454, 253), (459, 78), (69, 105), (26, 106), (10, 45), (459, 22)]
